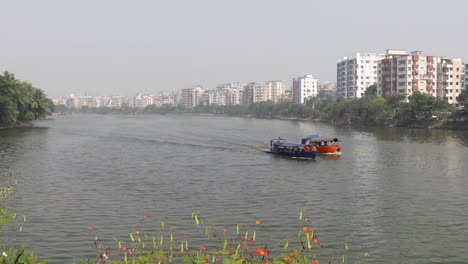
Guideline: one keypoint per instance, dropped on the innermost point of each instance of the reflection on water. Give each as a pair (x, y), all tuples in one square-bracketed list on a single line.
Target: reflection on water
[(390, 193), (416, 135)]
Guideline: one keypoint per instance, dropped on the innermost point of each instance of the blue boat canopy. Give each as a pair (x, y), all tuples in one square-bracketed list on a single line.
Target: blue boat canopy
[(290, 145), (304, 140)]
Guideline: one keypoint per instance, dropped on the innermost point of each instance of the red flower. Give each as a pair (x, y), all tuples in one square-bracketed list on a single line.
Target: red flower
[(261, 252), (258, 222), (122, 249), (202, 248), (143, 217), (308, 230), (315, 261), (89, 229)]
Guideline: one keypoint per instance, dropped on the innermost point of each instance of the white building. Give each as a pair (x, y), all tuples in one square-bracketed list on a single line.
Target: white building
[(59, 100), (117, 101), (251, 93), (450, 79), (217, 97), (304, 87), (274, 90), (403, 73), (232, 92), (143, 100), (356, 73), (192, 97)]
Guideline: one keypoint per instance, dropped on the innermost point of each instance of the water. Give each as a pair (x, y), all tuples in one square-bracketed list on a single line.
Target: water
[(398, 194)]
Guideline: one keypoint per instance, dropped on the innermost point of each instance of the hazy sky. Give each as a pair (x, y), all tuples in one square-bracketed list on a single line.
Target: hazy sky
[(109, 47)]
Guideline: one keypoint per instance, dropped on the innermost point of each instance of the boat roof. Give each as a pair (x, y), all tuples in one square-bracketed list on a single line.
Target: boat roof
[(321, 139), (284, 144)]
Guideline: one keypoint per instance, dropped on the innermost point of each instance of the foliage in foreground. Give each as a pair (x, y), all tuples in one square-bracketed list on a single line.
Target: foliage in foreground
[(243, 244), (13, 255)]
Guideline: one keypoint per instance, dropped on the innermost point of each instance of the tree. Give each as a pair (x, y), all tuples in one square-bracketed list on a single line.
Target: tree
[(371, 90), (463, 98), (18, 98), (39, 104)]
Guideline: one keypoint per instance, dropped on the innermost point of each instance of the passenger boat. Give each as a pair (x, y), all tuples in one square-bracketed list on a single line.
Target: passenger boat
[(280, 147), (325, 145)]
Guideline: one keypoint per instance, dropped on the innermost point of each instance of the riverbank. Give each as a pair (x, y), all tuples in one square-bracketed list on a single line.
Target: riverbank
[(18, 125)]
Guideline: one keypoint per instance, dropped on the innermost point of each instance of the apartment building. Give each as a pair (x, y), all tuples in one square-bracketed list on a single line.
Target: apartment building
[(450, 79), (403, 73), (217, 97), (187, 97), (304, 87), (117, 101), (233, 92), (273, 91), (356, 73), (252, 93), (193, 96)]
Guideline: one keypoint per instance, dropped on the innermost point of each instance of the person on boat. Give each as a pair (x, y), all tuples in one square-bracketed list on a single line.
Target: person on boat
[(314, 148)]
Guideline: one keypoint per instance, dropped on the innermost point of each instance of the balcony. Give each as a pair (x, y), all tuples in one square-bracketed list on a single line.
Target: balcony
[(415, 88), (430, 66), (415, 66), (415, 80), (430, 58), (415, 58), (430, 81)]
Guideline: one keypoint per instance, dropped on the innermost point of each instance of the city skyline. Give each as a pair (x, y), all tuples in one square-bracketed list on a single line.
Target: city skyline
[(115, 48)]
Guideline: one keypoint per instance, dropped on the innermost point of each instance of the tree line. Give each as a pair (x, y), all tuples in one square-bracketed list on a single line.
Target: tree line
[(369, 110), (21, 102)]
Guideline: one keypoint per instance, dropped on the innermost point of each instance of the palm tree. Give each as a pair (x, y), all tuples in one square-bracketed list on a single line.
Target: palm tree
[(39, 104)]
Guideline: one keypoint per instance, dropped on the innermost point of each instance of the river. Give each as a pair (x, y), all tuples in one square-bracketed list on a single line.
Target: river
[(398, 194)]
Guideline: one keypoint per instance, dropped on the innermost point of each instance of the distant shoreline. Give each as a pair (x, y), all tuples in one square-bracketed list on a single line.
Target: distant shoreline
[(353, 123)]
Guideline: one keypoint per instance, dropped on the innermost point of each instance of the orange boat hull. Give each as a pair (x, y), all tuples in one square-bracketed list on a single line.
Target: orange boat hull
[(328, 149)]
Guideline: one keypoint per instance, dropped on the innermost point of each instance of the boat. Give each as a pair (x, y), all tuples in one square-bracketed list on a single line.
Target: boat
[(280, 147), (325, 145)]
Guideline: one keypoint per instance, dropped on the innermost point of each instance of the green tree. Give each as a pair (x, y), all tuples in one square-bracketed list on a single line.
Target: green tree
[(40, 104), (371, 90), (18, 98)]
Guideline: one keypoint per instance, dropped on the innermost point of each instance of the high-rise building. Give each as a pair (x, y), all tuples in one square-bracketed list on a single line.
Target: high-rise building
[(403, 73), (252, 93), (233, 92), (187, 97), (273, 91), (356, 73), (193, 96), (304, 87), (450, 79)]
